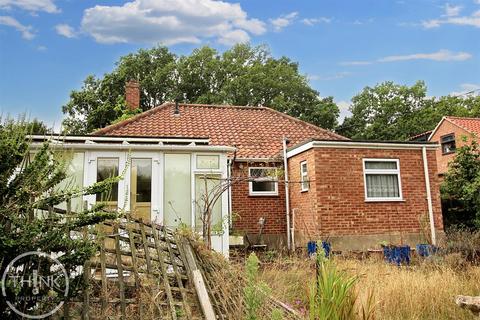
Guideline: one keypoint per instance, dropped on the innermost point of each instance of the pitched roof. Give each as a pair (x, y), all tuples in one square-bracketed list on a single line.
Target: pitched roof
[(471, 125), (257, 132)]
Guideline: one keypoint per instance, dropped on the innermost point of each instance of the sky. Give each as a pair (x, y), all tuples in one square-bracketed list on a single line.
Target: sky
[(48, 47)]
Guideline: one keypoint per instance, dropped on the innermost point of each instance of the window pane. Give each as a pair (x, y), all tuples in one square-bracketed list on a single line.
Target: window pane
[(380, 165), (141, 188), (382, 186), (304, 167), (208, 162), (177, 185), (107, 168), (448, 147), (263, 186), (204, 194)]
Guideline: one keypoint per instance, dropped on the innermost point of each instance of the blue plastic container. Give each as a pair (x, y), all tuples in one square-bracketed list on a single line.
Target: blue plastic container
[(397, 255), (312, 248), (426, 250)]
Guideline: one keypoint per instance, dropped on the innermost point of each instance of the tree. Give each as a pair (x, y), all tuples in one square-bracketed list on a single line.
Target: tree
[(385, 112), (391, 111), (29, 186), (461, 187), (243, 75)]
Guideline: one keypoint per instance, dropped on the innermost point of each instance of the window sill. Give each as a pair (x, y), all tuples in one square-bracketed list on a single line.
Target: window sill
[(263, 194), (447, 153), (303, 191), (384, 200)]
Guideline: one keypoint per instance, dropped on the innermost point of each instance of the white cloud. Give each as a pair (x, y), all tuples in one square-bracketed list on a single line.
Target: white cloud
[(27, 31), (467, 89), (65, 30), (451, 11), (441, 55), (170, 22), (42, 48), (283, 21), (338, 75), (30, 5), (355, 63), (314, 21), (452, 17), (344, 109)]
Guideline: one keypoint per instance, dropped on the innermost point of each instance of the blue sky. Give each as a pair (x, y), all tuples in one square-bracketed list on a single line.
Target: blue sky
[(47, 47)]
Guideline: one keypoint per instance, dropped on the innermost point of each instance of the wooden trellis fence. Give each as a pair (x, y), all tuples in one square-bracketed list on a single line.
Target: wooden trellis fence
[(146, 271)]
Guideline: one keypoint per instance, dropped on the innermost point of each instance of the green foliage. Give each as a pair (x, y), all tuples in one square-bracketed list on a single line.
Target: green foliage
[(255, 291), (390, 111), (243, 75), (461, 187), (332, 295), (27, 187)]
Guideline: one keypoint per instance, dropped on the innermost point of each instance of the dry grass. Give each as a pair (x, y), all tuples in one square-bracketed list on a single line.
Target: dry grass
[(421, 291)]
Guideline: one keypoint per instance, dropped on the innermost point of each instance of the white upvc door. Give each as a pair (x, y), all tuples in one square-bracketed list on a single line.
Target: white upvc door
[(124, 201), (156, 178)]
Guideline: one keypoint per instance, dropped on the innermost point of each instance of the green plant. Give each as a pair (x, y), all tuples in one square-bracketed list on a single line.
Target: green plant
[(30, 189), (332, 295), (277, 314), (255, 292)]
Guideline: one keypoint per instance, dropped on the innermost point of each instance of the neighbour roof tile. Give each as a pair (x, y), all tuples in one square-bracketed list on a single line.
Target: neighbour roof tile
[(257, 132), (472, 125)]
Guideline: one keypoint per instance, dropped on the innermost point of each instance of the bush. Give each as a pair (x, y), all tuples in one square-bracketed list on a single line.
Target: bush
[(463, 241)]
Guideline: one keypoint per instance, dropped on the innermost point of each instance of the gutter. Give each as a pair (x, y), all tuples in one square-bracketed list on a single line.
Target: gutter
[(429, 196), (287, 194), (358, 145), (157, 147)]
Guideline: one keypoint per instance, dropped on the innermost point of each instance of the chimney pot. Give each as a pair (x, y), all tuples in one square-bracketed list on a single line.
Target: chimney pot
[(132, 94)]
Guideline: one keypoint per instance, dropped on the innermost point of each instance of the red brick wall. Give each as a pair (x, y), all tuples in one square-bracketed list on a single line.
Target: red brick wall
[(335, 203), (446, 128), (247, 210)]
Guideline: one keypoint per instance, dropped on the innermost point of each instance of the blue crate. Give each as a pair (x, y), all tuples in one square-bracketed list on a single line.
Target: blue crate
[(426, 250), (397, 254), (312, 248)]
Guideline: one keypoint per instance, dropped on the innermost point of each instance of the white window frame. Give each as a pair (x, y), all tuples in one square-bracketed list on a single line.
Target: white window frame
[(382, 171), (262, 193), (304, 177)]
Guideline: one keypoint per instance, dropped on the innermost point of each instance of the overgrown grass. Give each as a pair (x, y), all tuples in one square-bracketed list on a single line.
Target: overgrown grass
[(425, 290)]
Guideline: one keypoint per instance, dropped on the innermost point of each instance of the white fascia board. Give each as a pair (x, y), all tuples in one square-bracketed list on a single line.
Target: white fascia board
[(140, 147), (358, 145), (114, 139)]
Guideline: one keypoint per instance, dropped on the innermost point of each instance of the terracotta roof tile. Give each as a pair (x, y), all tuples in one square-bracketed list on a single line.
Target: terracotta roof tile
[(470, 124), (257, 132)]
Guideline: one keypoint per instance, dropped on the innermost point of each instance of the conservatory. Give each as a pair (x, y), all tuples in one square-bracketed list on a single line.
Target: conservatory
[(163, 180)]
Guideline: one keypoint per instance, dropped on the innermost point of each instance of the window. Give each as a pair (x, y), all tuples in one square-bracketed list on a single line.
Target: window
[(448, 143), (177, 204), (305, 184), (263, 181), (382, 180), (208, 162), (108, 168)]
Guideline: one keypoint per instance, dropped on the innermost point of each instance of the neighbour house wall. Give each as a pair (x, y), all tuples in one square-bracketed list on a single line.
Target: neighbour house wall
[(335, 206), (247, 209), (446, 127)]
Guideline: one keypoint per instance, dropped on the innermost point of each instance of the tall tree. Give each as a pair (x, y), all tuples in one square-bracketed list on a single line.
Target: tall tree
[(243, 75), (391, 111)]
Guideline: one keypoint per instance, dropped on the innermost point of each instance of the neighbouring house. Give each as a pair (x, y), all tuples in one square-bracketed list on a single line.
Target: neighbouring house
[(452, 133), (291, 181)]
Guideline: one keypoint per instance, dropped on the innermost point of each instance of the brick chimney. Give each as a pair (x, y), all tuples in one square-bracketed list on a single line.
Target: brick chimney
[(132, 94)]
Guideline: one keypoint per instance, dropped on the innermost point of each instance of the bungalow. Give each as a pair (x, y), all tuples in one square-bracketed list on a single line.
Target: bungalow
[(291, 181)]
